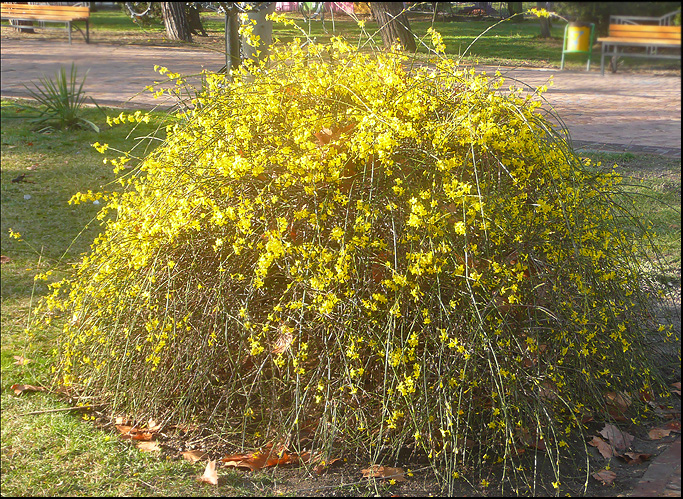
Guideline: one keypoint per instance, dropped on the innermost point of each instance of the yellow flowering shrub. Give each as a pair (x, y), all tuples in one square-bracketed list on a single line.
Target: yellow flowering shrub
[(384, 252)]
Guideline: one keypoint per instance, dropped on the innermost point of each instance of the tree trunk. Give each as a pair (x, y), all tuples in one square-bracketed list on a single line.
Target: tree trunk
[(263, 29), (175, 21), (196, 26), (515, 11), (545, 22), (232, 41), (394, 25)]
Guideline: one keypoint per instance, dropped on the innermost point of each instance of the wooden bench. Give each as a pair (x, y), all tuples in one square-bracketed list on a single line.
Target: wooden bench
[(47, 14), (647, 33)]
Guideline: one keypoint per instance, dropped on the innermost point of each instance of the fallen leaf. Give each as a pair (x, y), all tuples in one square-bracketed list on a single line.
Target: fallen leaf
[(19, 389), (283, 342), (324, 465), (132, 433), (194, 455), (148, 446), (324, 136), (254, 461), (605, 449), (529, 440), (658, 433), (20, 360), (120, 420), (387, 472), (634, 457), (547, 390), (673, 426), (619, 439), (677, 386), (646, 395), (210, 475), (605, 476), (4, 259), (153, 426), (618, 402)]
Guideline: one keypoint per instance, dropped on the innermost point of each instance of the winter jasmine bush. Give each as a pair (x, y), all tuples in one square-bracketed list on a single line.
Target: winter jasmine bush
[(385, 254)]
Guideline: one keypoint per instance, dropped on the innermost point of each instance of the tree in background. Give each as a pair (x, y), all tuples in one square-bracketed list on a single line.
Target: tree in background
[(394, 24), (545, 21), (515, 11), (176, 21), (196, 27)]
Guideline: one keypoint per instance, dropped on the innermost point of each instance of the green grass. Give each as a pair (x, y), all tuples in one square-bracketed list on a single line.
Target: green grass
[(654, 187)]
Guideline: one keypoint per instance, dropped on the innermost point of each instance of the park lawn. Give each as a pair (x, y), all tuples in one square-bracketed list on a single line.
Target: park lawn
[(64, 453)]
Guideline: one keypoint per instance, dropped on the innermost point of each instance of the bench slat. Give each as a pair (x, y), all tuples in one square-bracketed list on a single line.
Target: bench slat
[(651, 32), (11, 7), (40, 17), (644, 27), (643, 41)]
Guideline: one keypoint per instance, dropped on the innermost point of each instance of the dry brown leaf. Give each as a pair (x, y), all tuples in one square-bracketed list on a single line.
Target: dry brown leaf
[(658, 433), (605, 449), (547, 390), (646, 395), (148, 446), (526, 438), (385, 472), (677, 388), (673, 426), (619, 439), (210, 474), (605, 476), (254, 461), (19, 389), (194, 455), (21, 360), (634, 457), (324, 465), (120, 420), (283, 342), (4, 259), (617, 404), (132, 433), (153, 426)]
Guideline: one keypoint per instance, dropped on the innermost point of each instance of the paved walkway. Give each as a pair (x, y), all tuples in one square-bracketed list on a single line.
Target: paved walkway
[(615, 112)]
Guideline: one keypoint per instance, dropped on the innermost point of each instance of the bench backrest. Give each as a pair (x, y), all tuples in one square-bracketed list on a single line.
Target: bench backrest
[(646, 32), (52, 12)]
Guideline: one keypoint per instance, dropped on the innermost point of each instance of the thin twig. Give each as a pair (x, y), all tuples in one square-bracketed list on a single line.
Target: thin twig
[(61, 409)]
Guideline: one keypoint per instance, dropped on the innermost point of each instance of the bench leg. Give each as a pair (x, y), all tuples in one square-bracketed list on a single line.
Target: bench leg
[(68, 27), (87, 32), (602, 64), (562, 62)]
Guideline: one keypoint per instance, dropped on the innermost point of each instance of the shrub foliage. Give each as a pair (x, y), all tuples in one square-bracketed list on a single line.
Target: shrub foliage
[(387, 255)]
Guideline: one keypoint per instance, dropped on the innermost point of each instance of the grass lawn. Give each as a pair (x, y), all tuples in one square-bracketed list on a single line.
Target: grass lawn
[(63, 452), (508, 43)]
